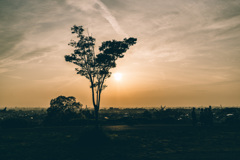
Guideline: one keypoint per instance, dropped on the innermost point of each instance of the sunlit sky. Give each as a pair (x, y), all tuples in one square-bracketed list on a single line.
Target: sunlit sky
[(187, 53)]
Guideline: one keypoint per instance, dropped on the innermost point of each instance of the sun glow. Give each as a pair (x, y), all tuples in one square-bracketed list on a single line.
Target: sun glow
[(117, 76)]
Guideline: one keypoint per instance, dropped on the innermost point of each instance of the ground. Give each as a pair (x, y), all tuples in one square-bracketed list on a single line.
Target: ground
[(171, 142)]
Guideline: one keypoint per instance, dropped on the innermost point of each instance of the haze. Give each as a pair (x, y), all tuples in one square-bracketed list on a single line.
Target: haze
[(187, 53)]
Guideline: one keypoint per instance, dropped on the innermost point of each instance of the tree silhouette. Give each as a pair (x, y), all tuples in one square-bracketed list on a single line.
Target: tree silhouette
[(96, 67), (63, 109)]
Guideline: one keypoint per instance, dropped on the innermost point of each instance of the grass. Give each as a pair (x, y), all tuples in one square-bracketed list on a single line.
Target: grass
[(173, 142)]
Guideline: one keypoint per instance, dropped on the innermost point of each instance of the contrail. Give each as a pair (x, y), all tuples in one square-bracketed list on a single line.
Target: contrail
[(110, 18), (88, 5)]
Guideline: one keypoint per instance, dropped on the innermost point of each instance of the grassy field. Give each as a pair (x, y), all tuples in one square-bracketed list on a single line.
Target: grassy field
[(173, 142)]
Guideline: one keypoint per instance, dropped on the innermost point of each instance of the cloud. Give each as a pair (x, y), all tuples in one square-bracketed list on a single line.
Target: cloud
[(110, 18), (14, 77), (24, 59), (31, 30), (98, 6), (3, 70)]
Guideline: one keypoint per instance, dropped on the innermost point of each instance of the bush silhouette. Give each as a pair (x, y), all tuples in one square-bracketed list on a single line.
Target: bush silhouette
[(63, 109)]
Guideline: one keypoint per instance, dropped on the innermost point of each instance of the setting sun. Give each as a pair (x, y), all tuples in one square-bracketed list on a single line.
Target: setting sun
[(117, 76)]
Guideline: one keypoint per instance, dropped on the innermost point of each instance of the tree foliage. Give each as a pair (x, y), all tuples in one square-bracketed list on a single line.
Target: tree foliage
[(94, 67), (63, 108)]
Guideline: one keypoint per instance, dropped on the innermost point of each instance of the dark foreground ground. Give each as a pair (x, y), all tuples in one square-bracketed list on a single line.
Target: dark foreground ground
[(165, 142)]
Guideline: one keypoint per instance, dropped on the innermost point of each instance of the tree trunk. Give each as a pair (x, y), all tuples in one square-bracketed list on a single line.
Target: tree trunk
[(96, 109)]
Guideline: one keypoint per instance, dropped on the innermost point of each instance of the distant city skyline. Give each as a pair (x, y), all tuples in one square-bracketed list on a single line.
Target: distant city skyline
[(187, 53)]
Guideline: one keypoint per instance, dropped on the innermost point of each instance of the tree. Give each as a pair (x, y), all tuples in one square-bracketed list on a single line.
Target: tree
[(62, 109), (96, 67)]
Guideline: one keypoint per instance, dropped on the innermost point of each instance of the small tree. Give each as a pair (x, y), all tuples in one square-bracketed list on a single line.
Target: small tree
[(94, 67), (62, 109)]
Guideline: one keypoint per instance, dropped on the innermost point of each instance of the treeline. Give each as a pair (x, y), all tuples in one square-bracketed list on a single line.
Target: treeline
[(29, 118), (66, 111)]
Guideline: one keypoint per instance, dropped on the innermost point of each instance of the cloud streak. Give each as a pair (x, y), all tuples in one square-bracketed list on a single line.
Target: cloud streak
[(98, 6), (110, 18)]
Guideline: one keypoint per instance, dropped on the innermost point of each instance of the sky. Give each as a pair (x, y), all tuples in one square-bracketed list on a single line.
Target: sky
[(187, 51)]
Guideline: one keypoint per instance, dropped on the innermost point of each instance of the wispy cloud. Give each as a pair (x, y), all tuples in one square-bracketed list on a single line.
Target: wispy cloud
[(110, 18), (98, 6)]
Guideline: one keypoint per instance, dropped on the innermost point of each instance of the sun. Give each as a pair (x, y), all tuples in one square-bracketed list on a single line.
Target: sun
[(117, 76)]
